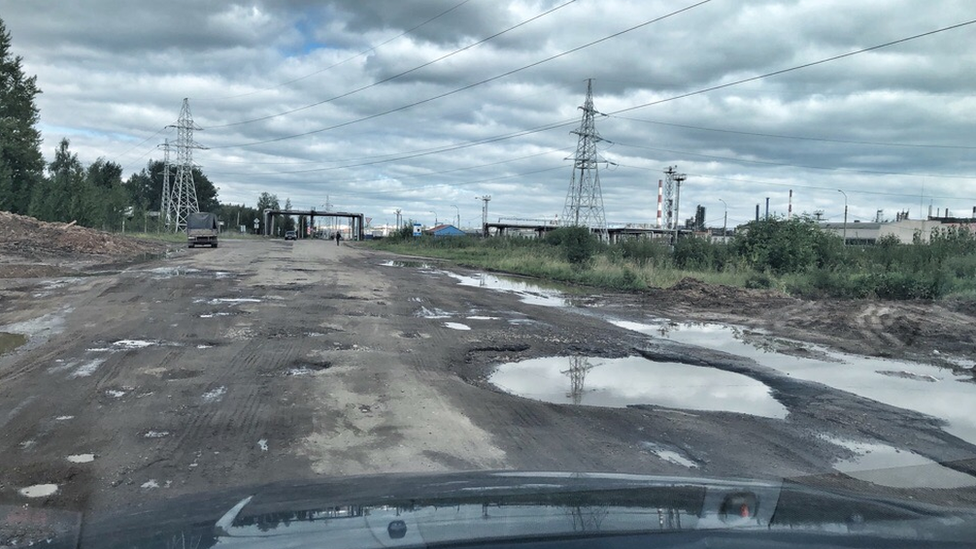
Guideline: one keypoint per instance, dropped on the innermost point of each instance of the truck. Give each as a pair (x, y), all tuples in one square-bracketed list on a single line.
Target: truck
[(202, 229)]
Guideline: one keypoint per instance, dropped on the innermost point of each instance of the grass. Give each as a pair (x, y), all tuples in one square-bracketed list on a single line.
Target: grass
[(545, 262)]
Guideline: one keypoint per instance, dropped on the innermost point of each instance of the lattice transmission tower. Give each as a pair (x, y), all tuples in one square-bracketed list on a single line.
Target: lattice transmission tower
[(184, 193), (166, 202), (584, 201), (579, 366)]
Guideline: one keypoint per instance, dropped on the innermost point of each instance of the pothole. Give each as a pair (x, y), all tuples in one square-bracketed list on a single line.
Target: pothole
[(630, 381)]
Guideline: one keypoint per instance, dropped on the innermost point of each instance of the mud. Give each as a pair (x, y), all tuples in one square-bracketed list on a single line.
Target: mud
[(330, 363)]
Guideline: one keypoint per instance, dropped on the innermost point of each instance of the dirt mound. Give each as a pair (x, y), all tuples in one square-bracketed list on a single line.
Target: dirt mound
[(702, 293), (29, 237)]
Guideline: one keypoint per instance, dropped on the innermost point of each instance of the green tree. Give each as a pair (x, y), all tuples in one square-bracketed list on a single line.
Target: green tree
[(61, 196), (782, 245), (268, 201), (578, 244), (21, 162), (107, 195)]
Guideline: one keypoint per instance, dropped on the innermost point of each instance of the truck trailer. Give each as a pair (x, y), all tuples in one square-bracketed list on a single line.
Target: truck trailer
[(202, 229)]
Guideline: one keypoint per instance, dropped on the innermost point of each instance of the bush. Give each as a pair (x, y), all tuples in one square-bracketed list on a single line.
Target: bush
[(577, 243)]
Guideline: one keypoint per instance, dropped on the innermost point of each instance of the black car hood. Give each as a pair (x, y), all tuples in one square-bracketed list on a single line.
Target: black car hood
[(501, 508)]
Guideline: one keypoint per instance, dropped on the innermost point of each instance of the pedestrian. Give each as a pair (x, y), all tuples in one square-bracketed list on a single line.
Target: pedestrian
[(338, 237)]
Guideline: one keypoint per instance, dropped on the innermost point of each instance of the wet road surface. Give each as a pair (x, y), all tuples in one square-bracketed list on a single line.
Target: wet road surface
[(265, 361)]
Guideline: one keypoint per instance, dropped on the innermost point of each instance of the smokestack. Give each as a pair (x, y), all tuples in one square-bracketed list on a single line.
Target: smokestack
[(660, 203), (767, 207), (757, 212), (789, 209)]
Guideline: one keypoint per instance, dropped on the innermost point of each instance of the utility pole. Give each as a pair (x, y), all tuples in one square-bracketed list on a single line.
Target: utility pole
[(678, 179), (185, 191), (399, 218), (584, 201), (458, 212), (484, 213), (166, 204), (725, 220), (845, 215)]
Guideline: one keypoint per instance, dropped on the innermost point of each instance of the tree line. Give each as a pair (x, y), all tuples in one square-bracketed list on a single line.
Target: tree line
[(95, 195)]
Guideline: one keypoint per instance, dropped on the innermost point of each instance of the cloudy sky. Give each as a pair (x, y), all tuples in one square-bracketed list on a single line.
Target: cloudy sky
[(425, 105)]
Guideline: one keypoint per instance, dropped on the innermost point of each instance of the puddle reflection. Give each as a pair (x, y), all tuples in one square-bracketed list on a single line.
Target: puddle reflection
[(631, 381)]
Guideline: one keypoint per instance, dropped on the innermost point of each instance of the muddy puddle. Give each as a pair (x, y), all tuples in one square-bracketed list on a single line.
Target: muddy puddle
[(406, 263), (622, 382), (10, 342), (924, 388), (531, 293)]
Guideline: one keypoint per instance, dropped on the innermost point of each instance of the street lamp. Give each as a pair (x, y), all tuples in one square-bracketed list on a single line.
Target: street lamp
[(458, 211), (725, 220), (845, 215), (435, 217)]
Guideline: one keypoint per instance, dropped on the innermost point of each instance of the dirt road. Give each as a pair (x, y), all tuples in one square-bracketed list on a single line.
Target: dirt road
[(267, 360)]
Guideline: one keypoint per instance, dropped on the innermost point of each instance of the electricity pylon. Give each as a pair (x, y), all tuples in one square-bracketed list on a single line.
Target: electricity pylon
[(184, 194), (584, 201)]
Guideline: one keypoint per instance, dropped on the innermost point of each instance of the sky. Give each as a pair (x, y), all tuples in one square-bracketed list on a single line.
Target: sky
[(427, 105)]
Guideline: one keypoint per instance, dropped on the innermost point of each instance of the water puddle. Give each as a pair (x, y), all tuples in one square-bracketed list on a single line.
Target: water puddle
[(39, 491), (228, 300), (434, 313), (86, 369), (479, 317), (533, 294), (622, 382), (115, 393), (923, 388), (402, 263), (10, 342), (149, 484), (81, 458), (670, 455), (457, 326), (885, 465), (130, 345), (63, 418), (156, 434), (214, 395)]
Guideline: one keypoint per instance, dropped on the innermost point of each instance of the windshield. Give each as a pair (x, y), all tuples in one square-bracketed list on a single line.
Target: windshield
[(278, 244)]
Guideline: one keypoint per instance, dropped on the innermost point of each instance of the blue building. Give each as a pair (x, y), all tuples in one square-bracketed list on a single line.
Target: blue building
[(445, 230)]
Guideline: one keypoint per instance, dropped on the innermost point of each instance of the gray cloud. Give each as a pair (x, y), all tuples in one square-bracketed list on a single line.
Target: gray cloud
[(113, 76)]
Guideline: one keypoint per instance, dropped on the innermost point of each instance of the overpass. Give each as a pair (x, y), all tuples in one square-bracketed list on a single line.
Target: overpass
[(357, 221)]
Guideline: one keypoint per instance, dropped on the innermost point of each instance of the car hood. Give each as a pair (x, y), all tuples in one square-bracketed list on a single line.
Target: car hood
[(490, 508)]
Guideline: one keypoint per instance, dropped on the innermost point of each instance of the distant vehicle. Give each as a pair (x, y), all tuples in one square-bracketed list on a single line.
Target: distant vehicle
[(291, 235), (202, 229)]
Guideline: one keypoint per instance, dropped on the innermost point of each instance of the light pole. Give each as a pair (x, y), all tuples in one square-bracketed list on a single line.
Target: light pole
[(725, 221), (435, 217), (845, 215), (458, 211)]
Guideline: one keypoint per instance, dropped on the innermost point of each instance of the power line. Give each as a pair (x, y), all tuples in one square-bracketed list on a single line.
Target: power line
[(473, 85), (795, 68), (395, 76), (831, 188), (348, 59), (426, 174), (786, 164), (797, 137)]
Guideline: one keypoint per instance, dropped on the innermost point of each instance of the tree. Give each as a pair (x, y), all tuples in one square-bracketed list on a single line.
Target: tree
[(268, 201), (61, 196), (21, 162), (146, 188)]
